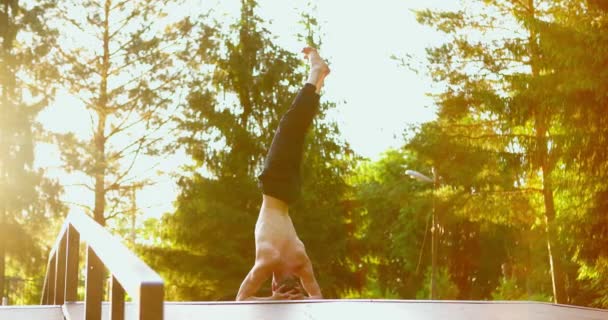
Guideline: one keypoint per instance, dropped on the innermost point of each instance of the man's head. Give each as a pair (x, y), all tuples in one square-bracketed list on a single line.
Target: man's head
[(286, 283)]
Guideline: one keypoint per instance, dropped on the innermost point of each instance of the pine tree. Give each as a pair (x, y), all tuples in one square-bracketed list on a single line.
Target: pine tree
[(498, 102), (530, 108), (120, 59), (27, 198), (574, 44), (232, 115)]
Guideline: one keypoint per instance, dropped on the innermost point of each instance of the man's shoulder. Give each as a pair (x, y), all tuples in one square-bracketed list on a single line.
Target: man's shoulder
[(267, 251)]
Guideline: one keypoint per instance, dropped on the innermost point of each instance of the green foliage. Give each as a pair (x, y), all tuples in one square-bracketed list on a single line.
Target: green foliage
[(446, 288), (517, 142), (372, 290), (28, 200), (595, 278), (388, 225), (508, 290)]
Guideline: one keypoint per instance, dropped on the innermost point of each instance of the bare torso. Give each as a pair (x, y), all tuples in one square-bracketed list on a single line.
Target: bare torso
[(279, 253), (274, 231)]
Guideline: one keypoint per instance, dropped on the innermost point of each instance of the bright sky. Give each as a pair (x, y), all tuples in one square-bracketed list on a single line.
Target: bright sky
[(377, 99)]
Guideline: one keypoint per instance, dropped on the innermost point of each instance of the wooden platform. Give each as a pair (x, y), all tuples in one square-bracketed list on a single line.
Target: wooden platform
[(31, 313), (362, 309)]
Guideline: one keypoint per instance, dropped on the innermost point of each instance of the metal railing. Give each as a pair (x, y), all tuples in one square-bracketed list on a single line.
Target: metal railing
[(129, 274)]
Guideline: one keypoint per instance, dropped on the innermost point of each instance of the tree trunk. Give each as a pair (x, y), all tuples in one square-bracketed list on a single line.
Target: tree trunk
[(549, 204), (541, 122), (2, 254), (100, 134), (4, 74)]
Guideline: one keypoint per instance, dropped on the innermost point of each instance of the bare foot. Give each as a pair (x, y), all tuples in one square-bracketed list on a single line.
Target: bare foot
[(315, 60), (318, 67)]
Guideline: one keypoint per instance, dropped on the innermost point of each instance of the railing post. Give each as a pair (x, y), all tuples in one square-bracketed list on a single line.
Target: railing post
[(60, 271), (151, 305), (94, 286), (71, 272), (136, 278), (51, 281), (118, 300), (45, 289)]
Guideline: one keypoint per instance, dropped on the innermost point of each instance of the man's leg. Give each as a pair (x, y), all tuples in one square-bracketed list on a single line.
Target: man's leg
[(281, 176)]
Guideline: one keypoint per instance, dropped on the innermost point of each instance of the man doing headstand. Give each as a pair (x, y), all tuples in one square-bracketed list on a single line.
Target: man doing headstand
[(279, 252)]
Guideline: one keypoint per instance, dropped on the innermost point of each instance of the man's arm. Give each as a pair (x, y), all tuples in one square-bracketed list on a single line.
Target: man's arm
[(271, 298), (280, 295), (253, 281), (309, 282)]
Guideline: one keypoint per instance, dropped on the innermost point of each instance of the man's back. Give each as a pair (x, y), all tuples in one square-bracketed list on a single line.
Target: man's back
[(276, 237)]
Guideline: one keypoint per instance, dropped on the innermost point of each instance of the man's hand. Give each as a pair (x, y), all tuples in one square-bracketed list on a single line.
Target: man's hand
[(261, 271), (280, 294), (309, 282), (293, 294)]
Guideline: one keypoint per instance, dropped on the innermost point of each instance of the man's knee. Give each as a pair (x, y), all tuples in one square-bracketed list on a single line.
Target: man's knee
[(284, 187)]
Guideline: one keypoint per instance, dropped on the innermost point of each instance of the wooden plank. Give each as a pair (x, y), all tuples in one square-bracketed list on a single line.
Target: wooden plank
[(128, 269), (64, 227), (60, 267), (385, 310), (118, 301), (48, 289), (151, 302), (31, 313), (363, 310), (45, 289), (73, 252), (51, 281), (94, 286)]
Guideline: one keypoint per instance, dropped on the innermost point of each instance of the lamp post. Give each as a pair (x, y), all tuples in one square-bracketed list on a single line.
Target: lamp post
[(421, 177)]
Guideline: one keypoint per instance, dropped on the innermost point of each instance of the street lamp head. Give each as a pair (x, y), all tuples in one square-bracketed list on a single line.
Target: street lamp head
[(418, 176)]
